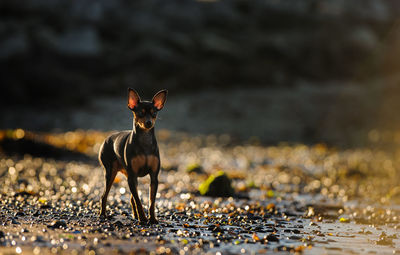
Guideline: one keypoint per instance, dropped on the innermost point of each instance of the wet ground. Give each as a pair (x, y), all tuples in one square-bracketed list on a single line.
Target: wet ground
[(288, 198)]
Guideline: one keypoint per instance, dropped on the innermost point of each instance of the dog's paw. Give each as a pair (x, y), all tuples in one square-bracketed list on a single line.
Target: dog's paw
[(143, 223), (153, 221)]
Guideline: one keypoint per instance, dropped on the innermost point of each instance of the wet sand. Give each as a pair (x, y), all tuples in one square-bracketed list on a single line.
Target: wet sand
[(289, 198)]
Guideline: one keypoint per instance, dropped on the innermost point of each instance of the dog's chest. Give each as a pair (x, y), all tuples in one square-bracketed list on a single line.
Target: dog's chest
[(146, 143), (142, 164), (144, 157)]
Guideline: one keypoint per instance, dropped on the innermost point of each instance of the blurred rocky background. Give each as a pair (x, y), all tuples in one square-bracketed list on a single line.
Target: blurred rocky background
[(270, 70)]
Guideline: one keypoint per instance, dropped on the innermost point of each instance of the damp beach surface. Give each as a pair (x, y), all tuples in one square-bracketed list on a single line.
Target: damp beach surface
[(287, 199)]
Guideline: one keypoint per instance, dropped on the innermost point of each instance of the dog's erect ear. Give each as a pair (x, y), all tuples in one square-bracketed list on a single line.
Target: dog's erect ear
[(160, 98), (133, 99)]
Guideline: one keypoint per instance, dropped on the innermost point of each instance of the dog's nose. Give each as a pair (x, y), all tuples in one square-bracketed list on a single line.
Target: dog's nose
[(148, 123)]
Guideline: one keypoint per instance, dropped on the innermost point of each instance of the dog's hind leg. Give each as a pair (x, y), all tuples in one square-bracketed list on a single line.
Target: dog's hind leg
[(134, 210), (111, 169)]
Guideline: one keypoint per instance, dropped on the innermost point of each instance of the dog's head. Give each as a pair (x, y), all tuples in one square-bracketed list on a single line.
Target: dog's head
[(145, 112)]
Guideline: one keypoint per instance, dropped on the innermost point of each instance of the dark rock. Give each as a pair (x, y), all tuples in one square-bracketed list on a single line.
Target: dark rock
[(57, 224), (251, 216), (217, 185), (19, 213), (296, 231), (272, 238), (216, 229), (13, 221)]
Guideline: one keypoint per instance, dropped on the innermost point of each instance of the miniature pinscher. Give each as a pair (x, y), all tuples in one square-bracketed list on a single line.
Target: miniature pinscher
[(135, 153)]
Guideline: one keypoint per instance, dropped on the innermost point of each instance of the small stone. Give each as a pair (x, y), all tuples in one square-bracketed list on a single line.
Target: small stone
[(19, 213), (57, 224), (118, 223), (272, 238), (13, 221)]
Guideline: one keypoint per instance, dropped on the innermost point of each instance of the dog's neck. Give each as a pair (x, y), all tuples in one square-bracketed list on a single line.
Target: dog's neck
[(144, 137)]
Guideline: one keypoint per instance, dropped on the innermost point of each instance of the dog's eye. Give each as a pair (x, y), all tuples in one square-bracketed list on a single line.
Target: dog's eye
[(154, 114), (140, 114)]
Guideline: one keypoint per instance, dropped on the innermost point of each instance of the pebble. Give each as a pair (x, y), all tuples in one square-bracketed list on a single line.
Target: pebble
[(57, 224)]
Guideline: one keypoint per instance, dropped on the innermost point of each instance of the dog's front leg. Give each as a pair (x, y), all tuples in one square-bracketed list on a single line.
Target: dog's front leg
[(132, 181), (153, 193)]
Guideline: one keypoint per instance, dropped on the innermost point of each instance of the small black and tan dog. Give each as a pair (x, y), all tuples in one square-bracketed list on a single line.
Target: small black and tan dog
[(135, 153)]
